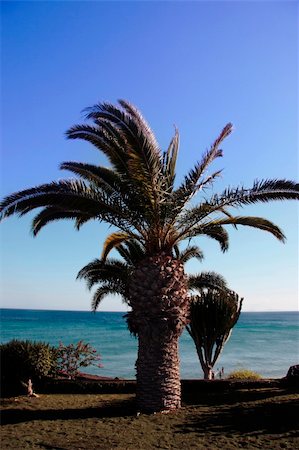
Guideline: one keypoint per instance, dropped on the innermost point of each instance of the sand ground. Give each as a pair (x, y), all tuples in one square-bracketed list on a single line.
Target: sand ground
[(263, 418)]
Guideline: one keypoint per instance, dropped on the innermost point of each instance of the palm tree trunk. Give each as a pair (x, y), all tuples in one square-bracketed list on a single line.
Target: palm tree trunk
[(158, 376), (160, 304)]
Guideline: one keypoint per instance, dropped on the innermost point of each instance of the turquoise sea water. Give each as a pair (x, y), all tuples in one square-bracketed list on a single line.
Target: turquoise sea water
[(267, 342)]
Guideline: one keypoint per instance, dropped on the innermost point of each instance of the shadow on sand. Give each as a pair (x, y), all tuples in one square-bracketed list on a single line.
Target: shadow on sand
[(117, 409), (231, 397), (272, 417)]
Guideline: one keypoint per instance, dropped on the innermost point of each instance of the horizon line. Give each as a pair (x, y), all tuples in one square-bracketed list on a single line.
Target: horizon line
[(124, 311)]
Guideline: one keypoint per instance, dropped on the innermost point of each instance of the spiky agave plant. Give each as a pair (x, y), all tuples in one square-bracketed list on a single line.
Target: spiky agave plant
[(138, 196)]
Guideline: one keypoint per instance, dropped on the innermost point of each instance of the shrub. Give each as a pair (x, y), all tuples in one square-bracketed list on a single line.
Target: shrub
[(21, 360), (244, 374), (70, 358)]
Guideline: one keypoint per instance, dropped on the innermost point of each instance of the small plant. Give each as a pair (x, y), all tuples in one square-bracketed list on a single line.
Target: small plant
[(244, 374), (70, 358)]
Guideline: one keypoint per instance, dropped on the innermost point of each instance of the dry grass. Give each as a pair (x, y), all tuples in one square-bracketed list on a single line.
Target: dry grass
[(263, 418), (244, 374)]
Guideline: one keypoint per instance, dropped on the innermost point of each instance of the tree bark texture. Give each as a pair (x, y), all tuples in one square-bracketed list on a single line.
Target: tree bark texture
[(160, 305), (158, 376)]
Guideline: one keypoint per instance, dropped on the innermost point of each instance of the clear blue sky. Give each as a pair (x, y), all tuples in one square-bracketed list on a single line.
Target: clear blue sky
[(197, 65)]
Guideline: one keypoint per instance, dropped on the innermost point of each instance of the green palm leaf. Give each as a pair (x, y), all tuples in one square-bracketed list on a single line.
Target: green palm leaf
[(188, 253), (71, 196), (102, 292), (113, 146), (132, 252), (103, 178), (193, 182), (169, 162), (53, 213), (254, 222), (99, 271), (141, 124), (142, 152), (261, 191), (205, 280), (214, 231)]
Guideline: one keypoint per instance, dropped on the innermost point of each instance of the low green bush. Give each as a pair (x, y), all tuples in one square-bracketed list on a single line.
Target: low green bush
[(244, 374), (21, 360)]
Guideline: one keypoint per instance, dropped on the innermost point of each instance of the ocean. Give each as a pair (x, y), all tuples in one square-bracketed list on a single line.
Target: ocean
[(266, 342)]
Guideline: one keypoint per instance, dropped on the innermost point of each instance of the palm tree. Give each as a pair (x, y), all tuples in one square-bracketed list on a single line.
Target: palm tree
[(137, 195), (213, 314), (113, 275)]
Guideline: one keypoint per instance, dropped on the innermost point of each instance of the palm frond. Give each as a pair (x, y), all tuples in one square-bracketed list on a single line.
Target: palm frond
[(99, 271), (216, 232), (102, 177), (113, 146), (261, 191), (169, 161), (55, 194), (210, 179), (112, 241), (141, 123), (102, 292), (129, 125), (75, 196), (112, 184), (192, 183), (81, 219), (194, 215), (53, 213), (189, 252), (132, 251), (142, 152), (254, 222), (206, 280)]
